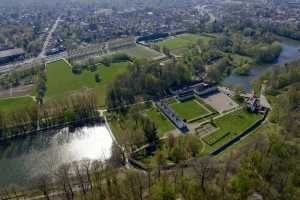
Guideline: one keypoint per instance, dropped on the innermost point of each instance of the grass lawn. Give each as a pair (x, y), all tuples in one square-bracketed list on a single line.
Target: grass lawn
[(163, 124), (180, 44), (15, 103), (189, 110), (61, 80), (230, 125), (141, 52), (250, 138)]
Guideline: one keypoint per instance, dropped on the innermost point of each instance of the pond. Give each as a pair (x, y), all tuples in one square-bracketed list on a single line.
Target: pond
[(23, 159), (290, 52)]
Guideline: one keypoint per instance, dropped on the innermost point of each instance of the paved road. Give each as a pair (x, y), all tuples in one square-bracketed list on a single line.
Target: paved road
[(49, 37), (42, 55)]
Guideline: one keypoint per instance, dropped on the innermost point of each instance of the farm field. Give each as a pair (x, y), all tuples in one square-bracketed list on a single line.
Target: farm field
[(61, 80), (163, 124), (180, 44), (189, 110), (15, 103), (230, 125), (141, 52)]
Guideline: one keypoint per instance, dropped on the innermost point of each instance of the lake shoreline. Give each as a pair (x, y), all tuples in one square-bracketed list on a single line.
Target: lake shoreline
[(290, 53), (70, 124)]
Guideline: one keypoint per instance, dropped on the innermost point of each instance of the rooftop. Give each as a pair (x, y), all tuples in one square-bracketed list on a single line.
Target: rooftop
[(11, 52)]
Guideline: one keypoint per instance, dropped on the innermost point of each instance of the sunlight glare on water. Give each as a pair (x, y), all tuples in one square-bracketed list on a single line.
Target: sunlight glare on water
[(23, 159), (95, 143)]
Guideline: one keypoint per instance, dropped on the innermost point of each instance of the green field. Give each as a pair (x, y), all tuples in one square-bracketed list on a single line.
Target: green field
[(141, 52), (61, 80), (181, 43), (15, 103), (231, 125), (189, 110), (163, 124)]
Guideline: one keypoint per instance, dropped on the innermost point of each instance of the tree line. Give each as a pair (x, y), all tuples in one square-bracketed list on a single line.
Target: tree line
[(267, 171), (77, 108)]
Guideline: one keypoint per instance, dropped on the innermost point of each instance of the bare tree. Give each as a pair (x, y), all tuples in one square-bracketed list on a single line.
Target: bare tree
[(135, 182), (42, 183), (86, 165), (98, 171), (80, 178), (63, 178), (202, 168), (117, 157)]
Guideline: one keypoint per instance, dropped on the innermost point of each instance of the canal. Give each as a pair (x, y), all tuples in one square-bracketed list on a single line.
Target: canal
[(23, 159)]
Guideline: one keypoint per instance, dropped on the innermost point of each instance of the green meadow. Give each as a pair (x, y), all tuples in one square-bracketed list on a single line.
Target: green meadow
[(61, 81)]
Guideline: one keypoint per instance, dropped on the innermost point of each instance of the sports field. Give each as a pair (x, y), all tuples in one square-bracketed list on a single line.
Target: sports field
[(231, 125), (189, 110), (61, 80), (15, 103), (180, 43), (163, 124), (141, 52)]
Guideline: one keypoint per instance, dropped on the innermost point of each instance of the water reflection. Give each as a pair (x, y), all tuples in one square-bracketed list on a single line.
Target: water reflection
[(290, 52), (23, 159)]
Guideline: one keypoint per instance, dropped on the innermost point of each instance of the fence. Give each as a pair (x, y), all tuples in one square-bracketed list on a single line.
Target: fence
[(239, 136)]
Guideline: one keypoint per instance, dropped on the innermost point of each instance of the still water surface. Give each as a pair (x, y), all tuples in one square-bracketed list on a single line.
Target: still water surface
[(290, 52), (23, 159)]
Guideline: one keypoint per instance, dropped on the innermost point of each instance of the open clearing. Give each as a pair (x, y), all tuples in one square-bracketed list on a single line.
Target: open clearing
[(179, 44), (141, 52), (163, 124), (189, 110), (220, 102), (231, 125), (61, 80), (15, 103)]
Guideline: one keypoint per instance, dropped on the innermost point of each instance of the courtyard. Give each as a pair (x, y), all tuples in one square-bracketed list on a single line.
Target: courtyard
[(189, 110), (220, 102)]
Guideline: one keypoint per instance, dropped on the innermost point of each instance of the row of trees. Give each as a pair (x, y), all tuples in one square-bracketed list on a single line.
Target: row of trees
[(76, 108), (17, 78)]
